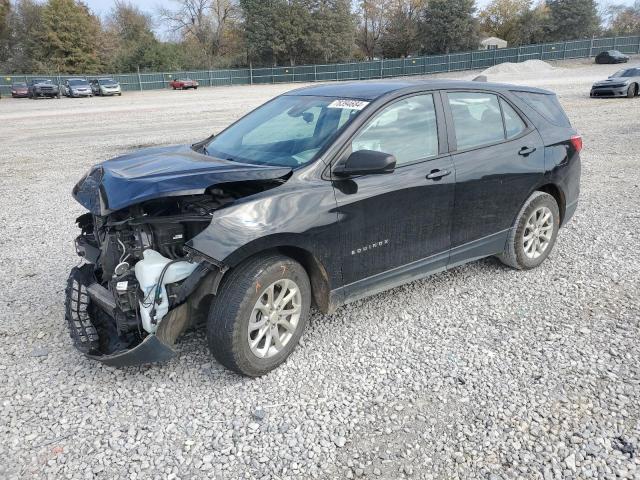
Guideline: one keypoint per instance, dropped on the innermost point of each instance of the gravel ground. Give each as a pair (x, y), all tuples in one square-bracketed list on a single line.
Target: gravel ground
[(479, 372)]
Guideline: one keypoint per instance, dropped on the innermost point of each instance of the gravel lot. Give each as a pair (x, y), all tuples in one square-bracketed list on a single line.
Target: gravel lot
[(479, 372)]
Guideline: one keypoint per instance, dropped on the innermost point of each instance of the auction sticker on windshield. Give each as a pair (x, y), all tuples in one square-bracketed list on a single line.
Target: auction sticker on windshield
[(348, 104)]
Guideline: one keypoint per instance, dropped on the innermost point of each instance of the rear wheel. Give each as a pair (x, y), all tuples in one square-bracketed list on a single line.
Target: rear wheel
[(259, 314), (533, 234)]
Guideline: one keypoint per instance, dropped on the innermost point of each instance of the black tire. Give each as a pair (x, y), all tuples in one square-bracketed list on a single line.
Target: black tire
[(631, 92), (228, 321), (514, 254)]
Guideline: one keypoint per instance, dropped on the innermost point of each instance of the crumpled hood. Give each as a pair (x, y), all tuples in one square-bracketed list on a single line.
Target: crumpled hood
[(161, 172)]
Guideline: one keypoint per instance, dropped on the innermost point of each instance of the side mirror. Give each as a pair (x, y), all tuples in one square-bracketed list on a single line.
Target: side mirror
[(366, 162)]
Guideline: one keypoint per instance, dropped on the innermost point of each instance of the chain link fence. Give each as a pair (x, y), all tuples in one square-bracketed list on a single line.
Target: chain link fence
[(383, 68)]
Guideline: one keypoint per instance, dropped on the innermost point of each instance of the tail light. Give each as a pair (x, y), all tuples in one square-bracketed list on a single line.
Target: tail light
[(576, 141)]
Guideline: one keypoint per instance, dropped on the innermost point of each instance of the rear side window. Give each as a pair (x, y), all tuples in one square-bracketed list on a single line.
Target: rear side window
[(546, 105), (513, 124), (477, 119)]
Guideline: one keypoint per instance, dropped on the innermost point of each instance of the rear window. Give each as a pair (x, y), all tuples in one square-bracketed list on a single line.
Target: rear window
[(546, 105)]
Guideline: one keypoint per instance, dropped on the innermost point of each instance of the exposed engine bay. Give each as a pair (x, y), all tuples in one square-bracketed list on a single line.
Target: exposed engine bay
[(139, 271)]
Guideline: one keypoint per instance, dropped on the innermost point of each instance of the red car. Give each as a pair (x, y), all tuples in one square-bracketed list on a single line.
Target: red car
[(183, 84), (19, 90)]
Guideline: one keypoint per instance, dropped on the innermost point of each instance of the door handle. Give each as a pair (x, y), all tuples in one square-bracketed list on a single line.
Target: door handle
[(526, 151), (438, 174)]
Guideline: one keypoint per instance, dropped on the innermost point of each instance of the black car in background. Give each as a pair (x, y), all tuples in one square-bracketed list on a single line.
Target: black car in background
[(322, 196), (612, 56), (43, 87)]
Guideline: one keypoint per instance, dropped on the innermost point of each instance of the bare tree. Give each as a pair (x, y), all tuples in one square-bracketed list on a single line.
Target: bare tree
[(373, 20), (207, 22)]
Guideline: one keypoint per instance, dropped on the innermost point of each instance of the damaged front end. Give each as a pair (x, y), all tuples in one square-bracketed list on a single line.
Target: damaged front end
[(140, 287)]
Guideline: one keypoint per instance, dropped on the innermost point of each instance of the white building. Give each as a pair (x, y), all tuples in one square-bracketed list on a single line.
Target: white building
[(492, 43)]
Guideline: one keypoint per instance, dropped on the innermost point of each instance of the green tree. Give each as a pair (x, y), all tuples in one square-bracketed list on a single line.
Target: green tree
[(69, 37), (24, 49), (572, 19), (450, 26), (332, 30), (259, 29), (533, 25), (5, 30), (502, 19), (128, 38), (401, 35)]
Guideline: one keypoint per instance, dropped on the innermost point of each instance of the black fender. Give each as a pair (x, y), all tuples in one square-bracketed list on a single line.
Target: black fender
[(299, 216)]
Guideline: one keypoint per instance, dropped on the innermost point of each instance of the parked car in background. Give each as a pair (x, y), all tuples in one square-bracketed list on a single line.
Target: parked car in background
[(183, 84), (76, 87), (105, 87), (612, 56), (42, 87), (324, 195), (19, 90), (623, 83)]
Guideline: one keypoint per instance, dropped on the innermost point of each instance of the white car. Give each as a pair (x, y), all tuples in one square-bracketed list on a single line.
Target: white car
[(105, 86)]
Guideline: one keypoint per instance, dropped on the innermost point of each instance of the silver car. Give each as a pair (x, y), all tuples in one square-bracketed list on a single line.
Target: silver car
[(105, 86), (623, 83), (76, 87)]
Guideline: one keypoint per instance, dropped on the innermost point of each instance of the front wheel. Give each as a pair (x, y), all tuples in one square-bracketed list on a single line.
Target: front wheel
[(631, 92), (533, 234), (259, 314)]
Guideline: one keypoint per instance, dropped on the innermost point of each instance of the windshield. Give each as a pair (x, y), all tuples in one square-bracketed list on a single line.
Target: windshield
[(42, 80), (19, 85), (106, 82), (288, 131), (630, 72), (78, 83)]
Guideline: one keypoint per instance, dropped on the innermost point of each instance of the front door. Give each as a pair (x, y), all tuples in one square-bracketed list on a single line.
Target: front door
[(395, 225)]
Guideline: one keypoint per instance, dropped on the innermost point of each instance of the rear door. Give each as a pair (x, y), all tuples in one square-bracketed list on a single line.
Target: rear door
[(499, 160), (394, 225)]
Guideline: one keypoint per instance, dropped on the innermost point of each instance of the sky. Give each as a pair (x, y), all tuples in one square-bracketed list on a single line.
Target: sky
[(102, 7)]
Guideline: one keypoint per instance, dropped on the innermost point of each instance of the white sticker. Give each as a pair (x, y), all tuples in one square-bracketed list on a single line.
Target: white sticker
[(348, 104), (120, 286)]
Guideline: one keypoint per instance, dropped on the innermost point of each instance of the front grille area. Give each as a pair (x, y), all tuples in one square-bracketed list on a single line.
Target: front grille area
[(602, 93)]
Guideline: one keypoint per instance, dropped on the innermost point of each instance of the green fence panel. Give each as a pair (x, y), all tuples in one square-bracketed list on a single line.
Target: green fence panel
[(379, 68)]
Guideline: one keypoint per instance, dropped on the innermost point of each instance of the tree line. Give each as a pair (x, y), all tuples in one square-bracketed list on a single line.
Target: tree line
[(65, 36)]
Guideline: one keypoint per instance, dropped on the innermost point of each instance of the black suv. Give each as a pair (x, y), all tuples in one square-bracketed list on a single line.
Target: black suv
[(322, 196)]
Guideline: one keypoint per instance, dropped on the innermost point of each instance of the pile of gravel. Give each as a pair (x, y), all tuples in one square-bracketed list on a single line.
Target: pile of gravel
[(522, 68)]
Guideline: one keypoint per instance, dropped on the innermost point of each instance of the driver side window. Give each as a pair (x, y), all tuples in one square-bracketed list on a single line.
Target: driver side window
[(406, 129)]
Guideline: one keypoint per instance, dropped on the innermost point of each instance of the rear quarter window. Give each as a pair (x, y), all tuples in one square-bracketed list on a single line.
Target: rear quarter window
[(546, 105)]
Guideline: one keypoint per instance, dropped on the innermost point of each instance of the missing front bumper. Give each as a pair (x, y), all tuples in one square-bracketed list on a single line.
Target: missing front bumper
[(89, 311)]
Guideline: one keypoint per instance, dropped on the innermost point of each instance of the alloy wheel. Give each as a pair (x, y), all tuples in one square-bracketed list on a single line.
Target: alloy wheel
[(538, 232), (274, 318)]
